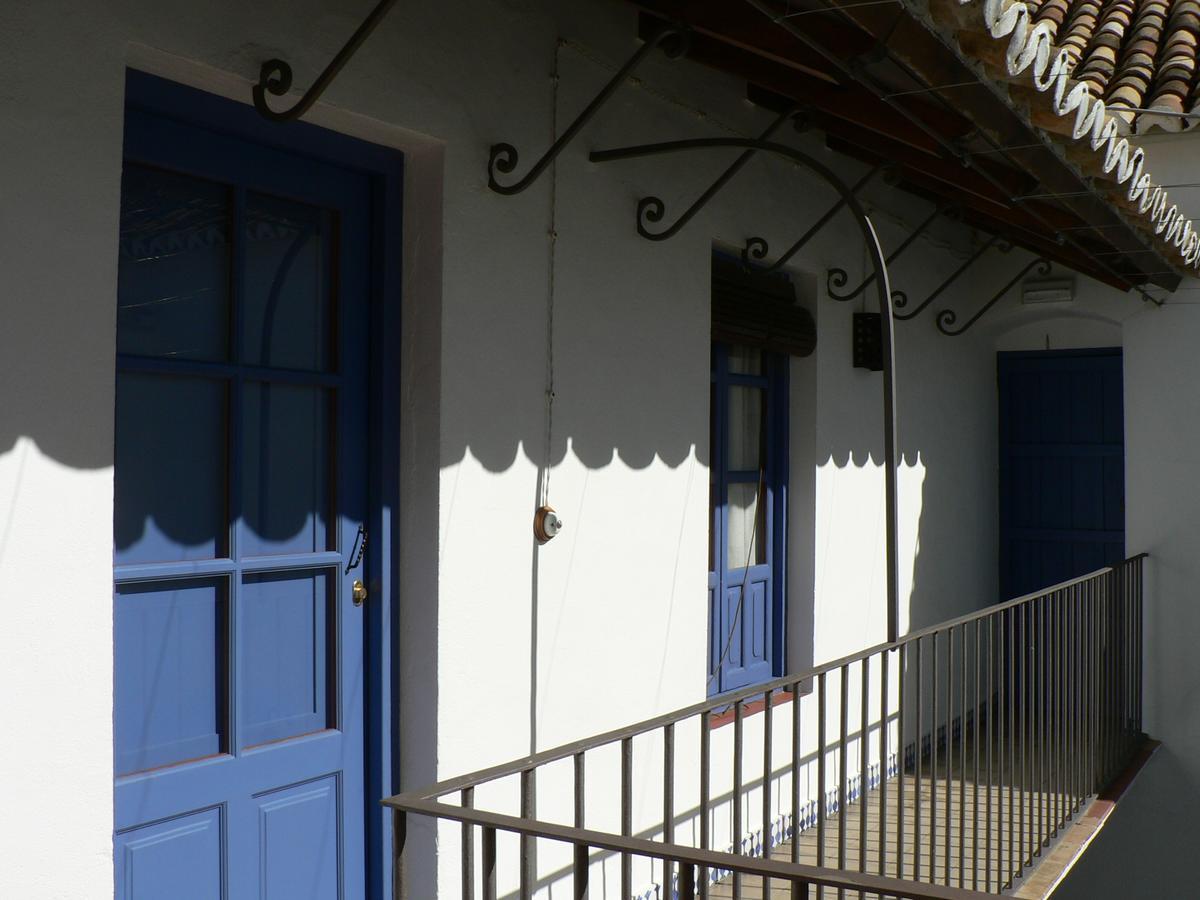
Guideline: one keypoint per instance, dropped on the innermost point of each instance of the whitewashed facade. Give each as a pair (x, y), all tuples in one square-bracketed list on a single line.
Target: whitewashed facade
[(507, 647)]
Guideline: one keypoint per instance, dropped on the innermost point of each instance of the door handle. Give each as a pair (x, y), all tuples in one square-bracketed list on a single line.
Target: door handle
[(358, 592)]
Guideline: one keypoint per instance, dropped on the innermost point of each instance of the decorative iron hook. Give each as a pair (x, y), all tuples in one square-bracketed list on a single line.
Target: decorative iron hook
[(652, 209), (275, 76), (901, 300), (838, 277), (946, 318), (756, 247), (673, 39)]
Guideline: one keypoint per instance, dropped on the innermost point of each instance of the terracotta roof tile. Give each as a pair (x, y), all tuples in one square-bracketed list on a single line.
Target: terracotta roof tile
[(1140, 57), (1135, 54)]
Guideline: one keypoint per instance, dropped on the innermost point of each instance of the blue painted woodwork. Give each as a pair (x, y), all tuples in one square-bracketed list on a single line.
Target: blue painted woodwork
[(242, 455), (150, 859), (746, 579), (1062, 464)]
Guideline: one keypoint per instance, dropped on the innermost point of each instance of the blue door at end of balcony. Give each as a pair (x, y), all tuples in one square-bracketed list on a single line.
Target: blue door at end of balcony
[(747, 485), (241, 466), (1062, 466)]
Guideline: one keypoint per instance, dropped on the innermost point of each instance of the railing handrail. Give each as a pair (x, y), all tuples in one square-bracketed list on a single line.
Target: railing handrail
[(564, 751), (710, 859)]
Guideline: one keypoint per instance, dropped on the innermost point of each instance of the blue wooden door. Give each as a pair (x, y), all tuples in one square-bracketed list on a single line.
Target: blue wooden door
[(746, 488), (1062, 466), (241, 445)]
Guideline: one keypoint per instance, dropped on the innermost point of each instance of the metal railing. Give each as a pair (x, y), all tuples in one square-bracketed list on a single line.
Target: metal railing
[(1011, 717)]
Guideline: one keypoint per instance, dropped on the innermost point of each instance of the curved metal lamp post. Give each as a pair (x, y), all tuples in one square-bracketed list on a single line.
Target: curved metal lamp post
[(883, 290)]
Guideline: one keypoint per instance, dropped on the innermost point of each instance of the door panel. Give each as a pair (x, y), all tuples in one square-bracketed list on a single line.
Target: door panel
[(179, 858), (748, 468), (1062, 459), (241, 473)]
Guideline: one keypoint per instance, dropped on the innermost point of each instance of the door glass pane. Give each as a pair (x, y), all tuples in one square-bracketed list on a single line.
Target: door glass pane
[(173, 275), (287, 297), (285, 653), (285, 469), (746, 528), (745, 428), (170, 695), (745, 360), (170, 468)]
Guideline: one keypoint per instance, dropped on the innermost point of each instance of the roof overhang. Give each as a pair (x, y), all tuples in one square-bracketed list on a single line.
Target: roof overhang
[(886, 82)]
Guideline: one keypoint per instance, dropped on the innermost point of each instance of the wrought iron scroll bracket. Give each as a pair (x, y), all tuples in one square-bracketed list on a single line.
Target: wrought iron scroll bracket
[(652, 209), (757, 248), (946, 317), (837, 278), (503, 158), (275, 76), (901, 299), (883, 288)]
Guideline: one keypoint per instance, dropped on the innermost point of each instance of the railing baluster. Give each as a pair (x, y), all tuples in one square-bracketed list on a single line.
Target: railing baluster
[(933, 761), (626, 813), (1039, 611), (992, 712), (768, 711), (668, 796), (399, 841), (528, 811), (468, 848), (579, 869), (1060, 670), (1093, 688), (919, 745), (1106, 697), (822, 801), (489, 863), (1053, 714), (883, 761), (843, 762), (580, 819), (797, 750), (1114, 660), (738, 735), (975, 753), (864, 764), (1140, 624), (1081, 690), (962, 759), (1011, 665), (1027, 744), (949, 785), (687, 881), (705, 798), (901, 750)]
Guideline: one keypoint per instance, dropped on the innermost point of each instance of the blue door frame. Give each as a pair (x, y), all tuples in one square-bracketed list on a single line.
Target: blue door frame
[(1062, 463), (746, 623), (150, 99)]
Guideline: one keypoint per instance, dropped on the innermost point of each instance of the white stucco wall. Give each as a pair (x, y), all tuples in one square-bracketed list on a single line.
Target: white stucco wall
[(506, 647)]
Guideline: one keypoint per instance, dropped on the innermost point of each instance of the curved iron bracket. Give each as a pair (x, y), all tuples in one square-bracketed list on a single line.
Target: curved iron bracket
[(902, 298), (756, 248), (275, 76), (837, 278), (503, 158), (652, 209), (946, 317), (883, 289)]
